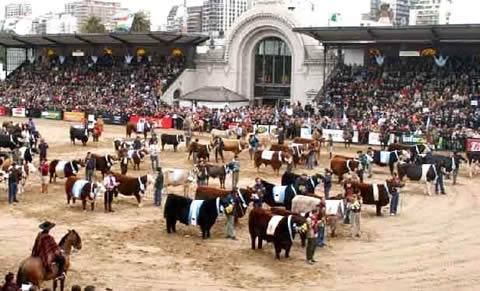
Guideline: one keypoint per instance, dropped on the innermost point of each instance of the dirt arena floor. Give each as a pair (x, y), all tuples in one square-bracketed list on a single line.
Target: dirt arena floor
[(434, 244)]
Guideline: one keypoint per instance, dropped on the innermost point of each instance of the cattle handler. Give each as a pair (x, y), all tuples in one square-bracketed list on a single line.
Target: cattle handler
[(110, 183)]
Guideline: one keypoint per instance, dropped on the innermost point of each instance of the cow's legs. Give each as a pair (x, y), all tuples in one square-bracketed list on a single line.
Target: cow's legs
[(287, 251), (92, 205), (379, 209), (260, 242), (278, 249), (253, 238), (139, 199), (84, 204), (427, 188)]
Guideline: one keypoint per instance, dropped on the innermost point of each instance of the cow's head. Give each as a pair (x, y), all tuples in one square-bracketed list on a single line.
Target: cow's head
[(150, 179), (97, 190), (287, 158)]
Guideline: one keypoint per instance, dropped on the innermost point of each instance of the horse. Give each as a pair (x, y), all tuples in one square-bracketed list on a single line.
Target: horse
[(132, 127), (32, 270)]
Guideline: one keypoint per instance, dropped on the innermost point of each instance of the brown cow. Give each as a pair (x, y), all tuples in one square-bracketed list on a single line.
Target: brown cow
[(104, 163), (234, 145), (276, 160), (341, 166), (368, 196), (244, 197), (132, 128), (87, 191), (312, 144), (283, 235), (203, 150), (296, 150), (129, 186)]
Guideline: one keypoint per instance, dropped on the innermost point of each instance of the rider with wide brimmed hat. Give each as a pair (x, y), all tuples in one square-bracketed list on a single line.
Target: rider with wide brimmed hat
[(48, 250)]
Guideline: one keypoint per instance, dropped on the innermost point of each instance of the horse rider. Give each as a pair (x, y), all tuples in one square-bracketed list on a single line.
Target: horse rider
[(110, 184), (218, 145), (48, 250)]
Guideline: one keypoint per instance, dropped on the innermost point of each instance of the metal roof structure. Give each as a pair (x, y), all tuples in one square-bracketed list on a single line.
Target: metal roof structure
[(459, 33), (113, 38)]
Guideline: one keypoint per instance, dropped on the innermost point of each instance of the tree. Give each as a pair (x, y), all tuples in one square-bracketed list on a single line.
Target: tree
[(140, 23), (93, 25)]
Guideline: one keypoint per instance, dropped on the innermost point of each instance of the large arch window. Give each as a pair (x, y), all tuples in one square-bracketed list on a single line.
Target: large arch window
[(273, 69)]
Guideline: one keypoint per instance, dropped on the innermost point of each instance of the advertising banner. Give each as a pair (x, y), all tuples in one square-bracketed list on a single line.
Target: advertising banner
[(337, 135), (413, 139), (261, 128), (57, 115), (3, 111), (74, 116), (305, 132), (18, 112), (473, 144)]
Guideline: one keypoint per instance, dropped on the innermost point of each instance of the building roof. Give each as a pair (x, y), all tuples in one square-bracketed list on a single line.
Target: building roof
[(128, 38), (214, 94), (461, 33)]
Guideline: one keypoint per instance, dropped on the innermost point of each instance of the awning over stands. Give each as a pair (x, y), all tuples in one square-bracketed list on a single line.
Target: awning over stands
[(461, 33), (214, 97), (127, 38)]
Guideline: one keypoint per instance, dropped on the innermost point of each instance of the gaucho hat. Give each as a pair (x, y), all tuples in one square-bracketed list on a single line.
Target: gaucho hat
[(47, 225)]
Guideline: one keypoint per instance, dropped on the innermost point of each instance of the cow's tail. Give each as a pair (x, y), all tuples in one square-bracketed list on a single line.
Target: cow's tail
[(21, 278)]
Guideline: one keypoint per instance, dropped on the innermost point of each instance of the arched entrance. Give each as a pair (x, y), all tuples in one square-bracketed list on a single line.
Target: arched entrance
[(273, 71)]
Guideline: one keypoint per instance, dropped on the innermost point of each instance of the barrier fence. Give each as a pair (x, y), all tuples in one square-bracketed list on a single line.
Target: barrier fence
[(471, 144)]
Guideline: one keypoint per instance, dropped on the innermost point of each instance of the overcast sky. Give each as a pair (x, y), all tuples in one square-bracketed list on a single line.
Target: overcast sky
[(464, 11)]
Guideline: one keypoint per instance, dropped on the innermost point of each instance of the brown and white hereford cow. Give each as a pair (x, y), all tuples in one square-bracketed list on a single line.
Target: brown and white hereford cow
[(272, 158), (341, 166), (132, 186)]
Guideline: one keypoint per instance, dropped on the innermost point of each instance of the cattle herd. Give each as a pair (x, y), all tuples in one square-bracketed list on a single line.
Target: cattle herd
[(288, 206)]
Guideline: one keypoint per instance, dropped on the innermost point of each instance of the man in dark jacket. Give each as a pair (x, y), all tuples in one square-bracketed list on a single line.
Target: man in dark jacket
[(137, 143), (12, 184), (158, 187), (90, 166), (42, 147)]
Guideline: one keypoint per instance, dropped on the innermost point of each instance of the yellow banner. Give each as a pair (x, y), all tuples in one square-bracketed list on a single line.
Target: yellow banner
[(73, 116)]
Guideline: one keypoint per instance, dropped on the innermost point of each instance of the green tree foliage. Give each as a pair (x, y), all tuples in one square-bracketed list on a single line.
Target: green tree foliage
[(140, 23), (93, 25)]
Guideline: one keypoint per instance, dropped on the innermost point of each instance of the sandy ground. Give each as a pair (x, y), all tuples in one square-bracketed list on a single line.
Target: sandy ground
[(433, 244)]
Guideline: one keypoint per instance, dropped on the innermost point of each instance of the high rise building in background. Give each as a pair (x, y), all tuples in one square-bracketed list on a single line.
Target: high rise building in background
[(430, 12), (55, 23), (401, 11), (84, 9), (194, 19), (177, 19), (13, 10), (219, 15)]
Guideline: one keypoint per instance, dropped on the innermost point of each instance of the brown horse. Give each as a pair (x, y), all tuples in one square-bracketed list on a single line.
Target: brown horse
[(132, 128), (32, 270)]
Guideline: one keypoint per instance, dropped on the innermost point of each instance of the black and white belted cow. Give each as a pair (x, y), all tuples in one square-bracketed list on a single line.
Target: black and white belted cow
[(383, 158), (64, 169), (203, 213), (415, 150), (172, 139), (426, 172), (79, 132)]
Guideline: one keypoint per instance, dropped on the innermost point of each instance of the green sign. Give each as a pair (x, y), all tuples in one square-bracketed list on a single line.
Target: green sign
[(57, 115)]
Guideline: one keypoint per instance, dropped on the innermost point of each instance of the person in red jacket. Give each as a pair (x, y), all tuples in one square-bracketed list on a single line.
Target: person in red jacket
[(48, 250)]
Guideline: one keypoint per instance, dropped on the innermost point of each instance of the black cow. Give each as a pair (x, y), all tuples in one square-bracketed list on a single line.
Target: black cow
[(79, 133), (11, 141), (312, 181), (415, 150), (284, 199), (173, 139), (427, 172), (27, 154), (391, 158), (178, 208)]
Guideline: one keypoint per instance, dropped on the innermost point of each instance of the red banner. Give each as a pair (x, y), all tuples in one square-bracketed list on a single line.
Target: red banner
[(3, 111), (159, 122), (232, 125), (473, 144)]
